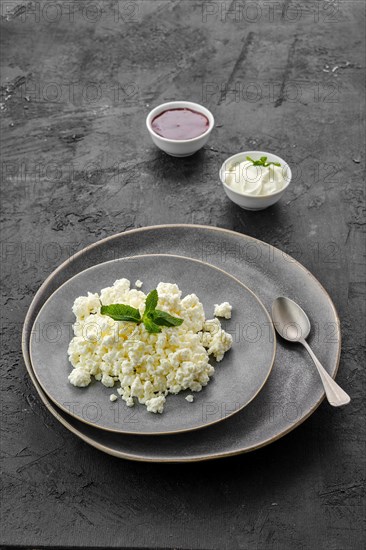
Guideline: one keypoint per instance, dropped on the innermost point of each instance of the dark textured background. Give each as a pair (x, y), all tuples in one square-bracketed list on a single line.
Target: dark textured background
[(78, 79)]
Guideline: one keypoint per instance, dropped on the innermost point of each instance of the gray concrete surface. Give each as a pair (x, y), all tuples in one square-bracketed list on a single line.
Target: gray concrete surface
[(77, 80)]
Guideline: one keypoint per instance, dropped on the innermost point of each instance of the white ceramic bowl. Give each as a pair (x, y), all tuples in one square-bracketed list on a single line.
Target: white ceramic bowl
[(180, 147), (254, 202)]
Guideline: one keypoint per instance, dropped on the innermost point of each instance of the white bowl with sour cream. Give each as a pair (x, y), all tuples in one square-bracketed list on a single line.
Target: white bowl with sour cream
[(255, 187)]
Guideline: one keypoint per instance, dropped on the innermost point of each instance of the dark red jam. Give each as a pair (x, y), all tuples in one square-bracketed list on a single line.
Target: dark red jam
[(180, 124)]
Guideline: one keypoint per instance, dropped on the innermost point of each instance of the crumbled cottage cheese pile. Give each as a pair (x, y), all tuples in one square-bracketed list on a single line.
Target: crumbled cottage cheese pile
[(147, 366)]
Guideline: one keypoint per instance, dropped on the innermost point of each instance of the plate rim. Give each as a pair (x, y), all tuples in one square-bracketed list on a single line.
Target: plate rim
[(201, 457), (170, 432)]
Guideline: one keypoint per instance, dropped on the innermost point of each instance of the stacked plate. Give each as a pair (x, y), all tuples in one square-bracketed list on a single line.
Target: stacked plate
[(258, 392)]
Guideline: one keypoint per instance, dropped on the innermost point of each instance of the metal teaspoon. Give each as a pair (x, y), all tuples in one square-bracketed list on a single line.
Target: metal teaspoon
[(292, 323)]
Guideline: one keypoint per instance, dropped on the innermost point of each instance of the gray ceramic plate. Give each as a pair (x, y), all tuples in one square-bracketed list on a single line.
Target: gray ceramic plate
[(293, 390), (237, 379)]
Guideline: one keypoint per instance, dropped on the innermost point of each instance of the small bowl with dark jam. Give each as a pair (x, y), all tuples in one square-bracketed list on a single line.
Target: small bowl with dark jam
[(180, 128)]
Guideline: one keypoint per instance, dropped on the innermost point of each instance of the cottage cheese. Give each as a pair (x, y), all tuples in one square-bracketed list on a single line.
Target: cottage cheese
[(223, 310), (80, 377), (147, 367)]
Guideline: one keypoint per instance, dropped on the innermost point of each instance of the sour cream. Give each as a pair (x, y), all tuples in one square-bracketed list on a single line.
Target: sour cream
[(244, 177)]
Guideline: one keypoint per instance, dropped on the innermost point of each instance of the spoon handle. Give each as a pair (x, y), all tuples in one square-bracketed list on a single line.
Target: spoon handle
[(335, 395)]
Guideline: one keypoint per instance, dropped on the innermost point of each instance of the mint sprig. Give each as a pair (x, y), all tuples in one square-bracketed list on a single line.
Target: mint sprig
[(263, 162), (152, 318)]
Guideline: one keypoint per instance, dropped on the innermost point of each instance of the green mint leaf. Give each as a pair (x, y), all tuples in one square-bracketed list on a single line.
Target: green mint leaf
[(151, 326), (266, 164), (262, 162), (164, 319), (121, 312), (151, 302)]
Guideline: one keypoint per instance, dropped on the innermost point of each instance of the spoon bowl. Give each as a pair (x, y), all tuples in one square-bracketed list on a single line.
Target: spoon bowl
[(292, 323), (290, 320)]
